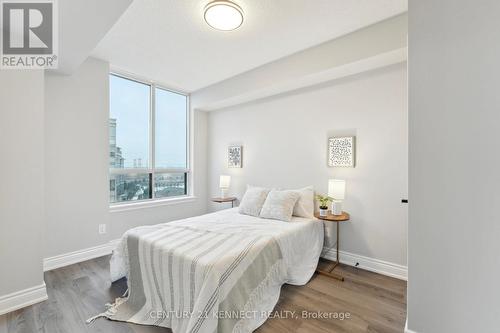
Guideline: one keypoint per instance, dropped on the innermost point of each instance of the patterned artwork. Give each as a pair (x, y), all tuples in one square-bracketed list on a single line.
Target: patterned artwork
[(341, 151), (234, 156)]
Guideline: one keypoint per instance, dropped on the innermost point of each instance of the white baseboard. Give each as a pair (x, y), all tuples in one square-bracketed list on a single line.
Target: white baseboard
[(406, 328), (30, 296), (71, 258), (23, 298), (369, 264)]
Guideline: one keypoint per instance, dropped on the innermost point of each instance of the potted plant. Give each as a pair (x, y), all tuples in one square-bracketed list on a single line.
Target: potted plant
[(323, 204)]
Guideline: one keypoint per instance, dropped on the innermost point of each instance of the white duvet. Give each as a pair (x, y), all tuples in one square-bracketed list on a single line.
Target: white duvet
[(300, 240), (201, 266)]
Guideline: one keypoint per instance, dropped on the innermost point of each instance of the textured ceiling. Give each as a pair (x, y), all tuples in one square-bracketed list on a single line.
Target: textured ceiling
[(169, 42)]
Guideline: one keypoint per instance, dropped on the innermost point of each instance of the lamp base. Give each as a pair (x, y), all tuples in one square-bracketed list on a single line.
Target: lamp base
[(337, 207)]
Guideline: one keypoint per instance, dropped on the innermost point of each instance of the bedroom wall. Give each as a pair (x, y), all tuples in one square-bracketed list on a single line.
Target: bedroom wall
[(76, 148), (454, 262), (284, 141), (76, 143), (21, 191)]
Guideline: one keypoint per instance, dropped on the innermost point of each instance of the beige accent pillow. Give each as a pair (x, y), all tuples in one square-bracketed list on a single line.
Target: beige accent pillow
[(305, 205), (279, 205), (252, 200)]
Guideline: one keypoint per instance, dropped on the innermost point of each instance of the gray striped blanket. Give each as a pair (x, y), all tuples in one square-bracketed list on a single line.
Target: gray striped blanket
[(196, 280)]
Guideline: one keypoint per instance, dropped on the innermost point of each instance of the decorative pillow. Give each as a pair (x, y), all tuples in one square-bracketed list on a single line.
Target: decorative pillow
[(252, 200), (305, 205), (279, 205)]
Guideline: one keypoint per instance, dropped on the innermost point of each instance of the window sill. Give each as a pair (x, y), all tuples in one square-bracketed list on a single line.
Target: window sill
[(150, 204)]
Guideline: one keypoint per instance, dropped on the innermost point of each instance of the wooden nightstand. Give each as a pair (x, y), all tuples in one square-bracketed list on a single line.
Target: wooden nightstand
[(222, 200), (336, 219)]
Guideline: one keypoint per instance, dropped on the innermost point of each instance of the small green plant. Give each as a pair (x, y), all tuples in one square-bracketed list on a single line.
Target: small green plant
[(323, 201)]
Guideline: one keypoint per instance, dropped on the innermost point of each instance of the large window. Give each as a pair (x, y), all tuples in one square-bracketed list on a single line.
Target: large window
[(148, 141)]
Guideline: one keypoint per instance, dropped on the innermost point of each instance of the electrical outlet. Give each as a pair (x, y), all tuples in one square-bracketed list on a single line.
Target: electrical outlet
[(102, 228)]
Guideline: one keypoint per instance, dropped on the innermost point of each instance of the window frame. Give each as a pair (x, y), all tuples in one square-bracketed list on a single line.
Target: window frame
[(151, 169)]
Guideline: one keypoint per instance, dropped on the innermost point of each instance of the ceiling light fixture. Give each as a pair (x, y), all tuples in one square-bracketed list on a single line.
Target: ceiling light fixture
[(223, 15)]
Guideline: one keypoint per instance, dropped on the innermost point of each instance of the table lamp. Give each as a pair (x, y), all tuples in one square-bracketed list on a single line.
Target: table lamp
[(224, 185), (336, 191)]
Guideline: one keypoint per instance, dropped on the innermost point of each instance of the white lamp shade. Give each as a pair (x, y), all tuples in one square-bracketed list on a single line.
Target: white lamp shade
[(336, 189), (224, 181)]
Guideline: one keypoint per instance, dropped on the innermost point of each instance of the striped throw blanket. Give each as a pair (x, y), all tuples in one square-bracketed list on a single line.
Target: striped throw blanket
[(198, 281)]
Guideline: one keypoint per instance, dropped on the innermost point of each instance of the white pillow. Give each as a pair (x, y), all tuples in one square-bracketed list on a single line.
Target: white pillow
[(252, 200), (279, 205), (305, 205)]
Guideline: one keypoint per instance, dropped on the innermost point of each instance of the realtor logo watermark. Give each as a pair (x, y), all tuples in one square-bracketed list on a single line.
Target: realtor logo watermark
[(29, 34)]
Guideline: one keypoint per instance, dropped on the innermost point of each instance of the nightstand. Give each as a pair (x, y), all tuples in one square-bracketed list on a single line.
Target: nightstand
[(334, 219), (222, 200)]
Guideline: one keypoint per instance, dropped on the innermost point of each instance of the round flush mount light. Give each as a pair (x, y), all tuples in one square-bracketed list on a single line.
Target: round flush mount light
[(223, 15)]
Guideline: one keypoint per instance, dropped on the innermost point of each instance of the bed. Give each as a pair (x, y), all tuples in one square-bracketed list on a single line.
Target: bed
[(220, 272)]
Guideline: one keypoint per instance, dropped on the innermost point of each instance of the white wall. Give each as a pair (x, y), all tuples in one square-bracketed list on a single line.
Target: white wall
[(284, 141), (21, 190), (454, 103), (76, 164), (77, 192)]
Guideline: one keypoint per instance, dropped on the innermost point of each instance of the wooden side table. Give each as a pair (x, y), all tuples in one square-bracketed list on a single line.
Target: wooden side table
[(222, 200), (336, 219)]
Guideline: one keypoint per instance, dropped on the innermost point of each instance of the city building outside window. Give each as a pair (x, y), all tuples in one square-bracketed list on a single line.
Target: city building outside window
[(148, 141)]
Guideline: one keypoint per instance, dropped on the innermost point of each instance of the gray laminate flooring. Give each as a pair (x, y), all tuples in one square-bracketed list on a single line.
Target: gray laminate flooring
[(376, 303)]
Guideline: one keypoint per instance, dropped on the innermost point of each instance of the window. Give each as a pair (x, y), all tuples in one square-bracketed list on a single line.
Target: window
[(148, 141)]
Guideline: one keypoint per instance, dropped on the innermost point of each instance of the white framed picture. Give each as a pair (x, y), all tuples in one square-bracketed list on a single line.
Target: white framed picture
[(234, 156), (342, 151)]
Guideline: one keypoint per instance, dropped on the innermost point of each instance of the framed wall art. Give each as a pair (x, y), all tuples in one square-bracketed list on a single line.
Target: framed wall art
[(342, 151), (234, 156)]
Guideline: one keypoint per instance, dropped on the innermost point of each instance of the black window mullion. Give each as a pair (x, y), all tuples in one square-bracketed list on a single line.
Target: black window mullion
[(151, 185)]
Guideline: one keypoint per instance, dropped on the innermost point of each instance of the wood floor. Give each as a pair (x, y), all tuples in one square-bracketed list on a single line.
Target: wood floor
[(375, 303)]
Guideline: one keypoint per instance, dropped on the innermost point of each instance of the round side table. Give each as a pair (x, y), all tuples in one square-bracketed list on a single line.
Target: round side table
[(344, 217)]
